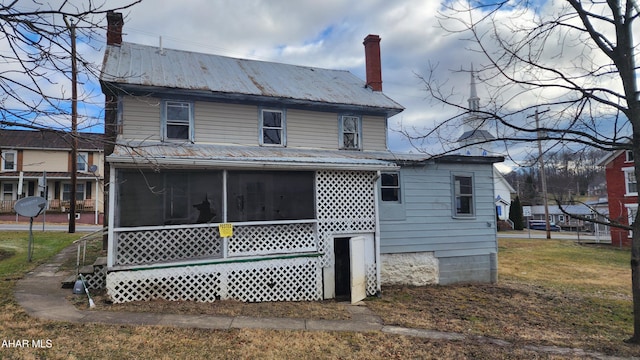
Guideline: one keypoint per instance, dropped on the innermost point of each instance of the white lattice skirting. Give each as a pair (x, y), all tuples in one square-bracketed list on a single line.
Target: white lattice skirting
[(291, 279)]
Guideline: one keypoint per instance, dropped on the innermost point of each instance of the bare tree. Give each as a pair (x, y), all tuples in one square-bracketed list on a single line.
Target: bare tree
[(35, 52), (576, 60)]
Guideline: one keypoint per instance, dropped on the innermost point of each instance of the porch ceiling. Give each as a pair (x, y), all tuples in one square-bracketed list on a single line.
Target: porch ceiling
[(191, 155)]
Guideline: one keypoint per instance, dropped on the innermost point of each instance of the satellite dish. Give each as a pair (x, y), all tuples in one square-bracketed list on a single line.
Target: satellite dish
[(93, 168), (30, 206)]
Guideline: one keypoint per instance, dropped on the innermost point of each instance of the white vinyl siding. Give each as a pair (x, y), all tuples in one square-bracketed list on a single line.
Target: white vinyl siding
[(374, 133), (310, 129), (219, 123), (141, 118)]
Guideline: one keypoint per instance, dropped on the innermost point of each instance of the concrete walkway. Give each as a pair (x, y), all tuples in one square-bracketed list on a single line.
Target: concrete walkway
[(41, 295)]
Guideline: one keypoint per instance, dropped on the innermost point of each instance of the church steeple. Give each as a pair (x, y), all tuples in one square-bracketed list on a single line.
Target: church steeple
[(474, 100), (475, 138)]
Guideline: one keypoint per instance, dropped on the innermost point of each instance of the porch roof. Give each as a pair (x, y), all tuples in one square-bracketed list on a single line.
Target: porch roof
[(235, 156)]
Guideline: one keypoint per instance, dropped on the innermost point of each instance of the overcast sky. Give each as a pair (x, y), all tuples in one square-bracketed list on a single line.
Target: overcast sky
[(325, 34)]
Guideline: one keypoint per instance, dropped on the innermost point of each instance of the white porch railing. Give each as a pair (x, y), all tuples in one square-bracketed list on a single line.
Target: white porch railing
[(160, 244)]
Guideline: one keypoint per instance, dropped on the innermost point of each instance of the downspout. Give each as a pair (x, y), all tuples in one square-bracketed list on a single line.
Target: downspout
[(111, 246), (377, 233)]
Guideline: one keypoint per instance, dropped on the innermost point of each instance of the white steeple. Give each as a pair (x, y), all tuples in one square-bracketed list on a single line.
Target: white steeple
[(475, 135), (474, 100)]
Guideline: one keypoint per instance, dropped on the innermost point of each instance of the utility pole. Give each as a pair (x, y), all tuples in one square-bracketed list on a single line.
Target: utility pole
[(543, 177), (74, 128)]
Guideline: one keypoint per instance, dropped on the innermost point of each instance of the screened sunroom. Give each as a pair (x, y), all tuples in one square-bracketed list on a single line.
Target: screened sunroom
[(164, 236)]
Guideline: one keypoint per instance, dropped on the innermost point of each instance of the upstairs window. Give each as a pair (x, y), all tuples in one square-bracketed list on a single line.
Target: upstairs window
[(631, 185), (390, 187), (272, 127), (350, 128), (628, 156), (463, 196), (9, 161), (177, 119), (83, 161)]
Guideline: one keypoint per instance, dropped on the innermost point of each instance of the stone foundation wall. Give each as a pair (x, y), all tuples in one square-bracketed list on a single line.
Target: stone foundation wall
[(416, 269)]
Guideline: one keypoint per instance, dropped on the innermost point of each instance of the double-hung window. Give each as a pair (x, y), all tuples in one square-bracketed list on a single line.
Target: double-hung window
[(350, 128), (83, 161), (272, 127), (631, 184), (390, 187), (463, 196), (177, 120), (9, 161), (628, 156)]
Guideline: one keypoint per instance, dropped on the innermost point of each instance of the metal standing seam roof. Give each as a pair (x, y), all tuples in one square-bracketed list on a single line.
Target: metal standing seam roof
[(138, 65), (146, 152), (248, 156)]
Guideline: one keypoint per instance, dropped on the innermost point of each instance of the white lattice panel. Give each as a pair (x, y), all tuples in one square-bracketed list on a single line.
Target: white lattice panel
[(160, 245), (272, 239), (97, 280), (295, 279), (372, 279), (345, 203)]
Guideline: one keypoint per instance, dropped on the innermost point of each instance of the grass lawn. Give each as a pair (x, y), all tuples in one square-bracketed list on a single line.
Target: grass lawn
[(550, 293)]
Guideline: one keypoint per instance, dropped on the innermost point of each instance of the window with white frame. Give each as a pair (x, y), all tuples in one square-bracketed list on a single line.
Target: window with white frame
[(632, 211), (630, 183), (9, 160), (177, 120), (463, 196), (7, 191), (350, 128), (390, 187), (272, 127), (628, 156), (83, 161)]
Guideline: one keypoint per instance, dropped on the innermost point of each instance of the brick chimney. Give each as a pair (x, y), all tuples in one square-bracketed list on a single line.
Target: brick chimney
[(114, 28), (372, 60)]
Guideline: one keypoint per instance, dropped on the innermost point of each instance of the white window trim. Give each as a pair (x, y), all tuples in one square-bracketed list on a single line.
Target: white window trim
[(283, 127), (15, 160), (399, 187), (86, 162), (631, 208), (454, 211), (163, 120), (341, 132), (14, 190), (627, 171), (626, 156)]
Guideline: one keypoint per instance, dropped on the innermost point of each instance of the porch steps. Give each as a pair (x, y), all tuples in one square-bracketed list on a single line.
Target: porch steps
[(94, 274)]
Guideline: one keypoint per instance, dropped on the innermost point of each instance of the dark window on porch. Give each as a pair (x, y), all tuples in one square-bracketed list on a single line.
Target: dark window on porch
[(270, 195), (169, 198)]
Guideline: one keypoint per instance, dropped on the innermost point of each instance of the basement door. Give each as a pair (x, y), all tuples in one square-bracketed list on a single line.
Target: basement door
[(350, 269)]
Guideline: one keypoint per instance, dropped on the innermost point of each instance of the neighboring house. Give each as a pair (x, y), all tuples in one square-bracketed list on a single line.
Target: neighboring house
[(622, 193), (502, 192), (564, 220), (294, 158), (33, 160)]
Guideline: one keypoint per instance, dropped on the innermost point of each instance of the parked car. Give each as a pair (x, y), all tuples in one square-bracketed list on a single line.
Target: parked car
[(541, 225)]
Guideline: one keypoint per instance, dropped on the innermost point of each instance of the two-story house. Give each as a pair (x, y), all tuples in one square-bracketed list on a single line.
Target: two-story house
[(294, 158), (622, 193), (38, 163)]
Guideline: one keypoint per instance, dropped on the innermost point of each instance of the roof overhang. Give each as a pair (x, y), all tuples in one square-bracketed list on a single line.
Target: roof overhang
[(190, 156)]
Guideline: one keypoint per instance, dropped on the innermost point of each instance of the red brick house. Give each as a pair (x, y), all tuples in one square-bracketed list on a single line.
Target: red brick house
[(622, 190)]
